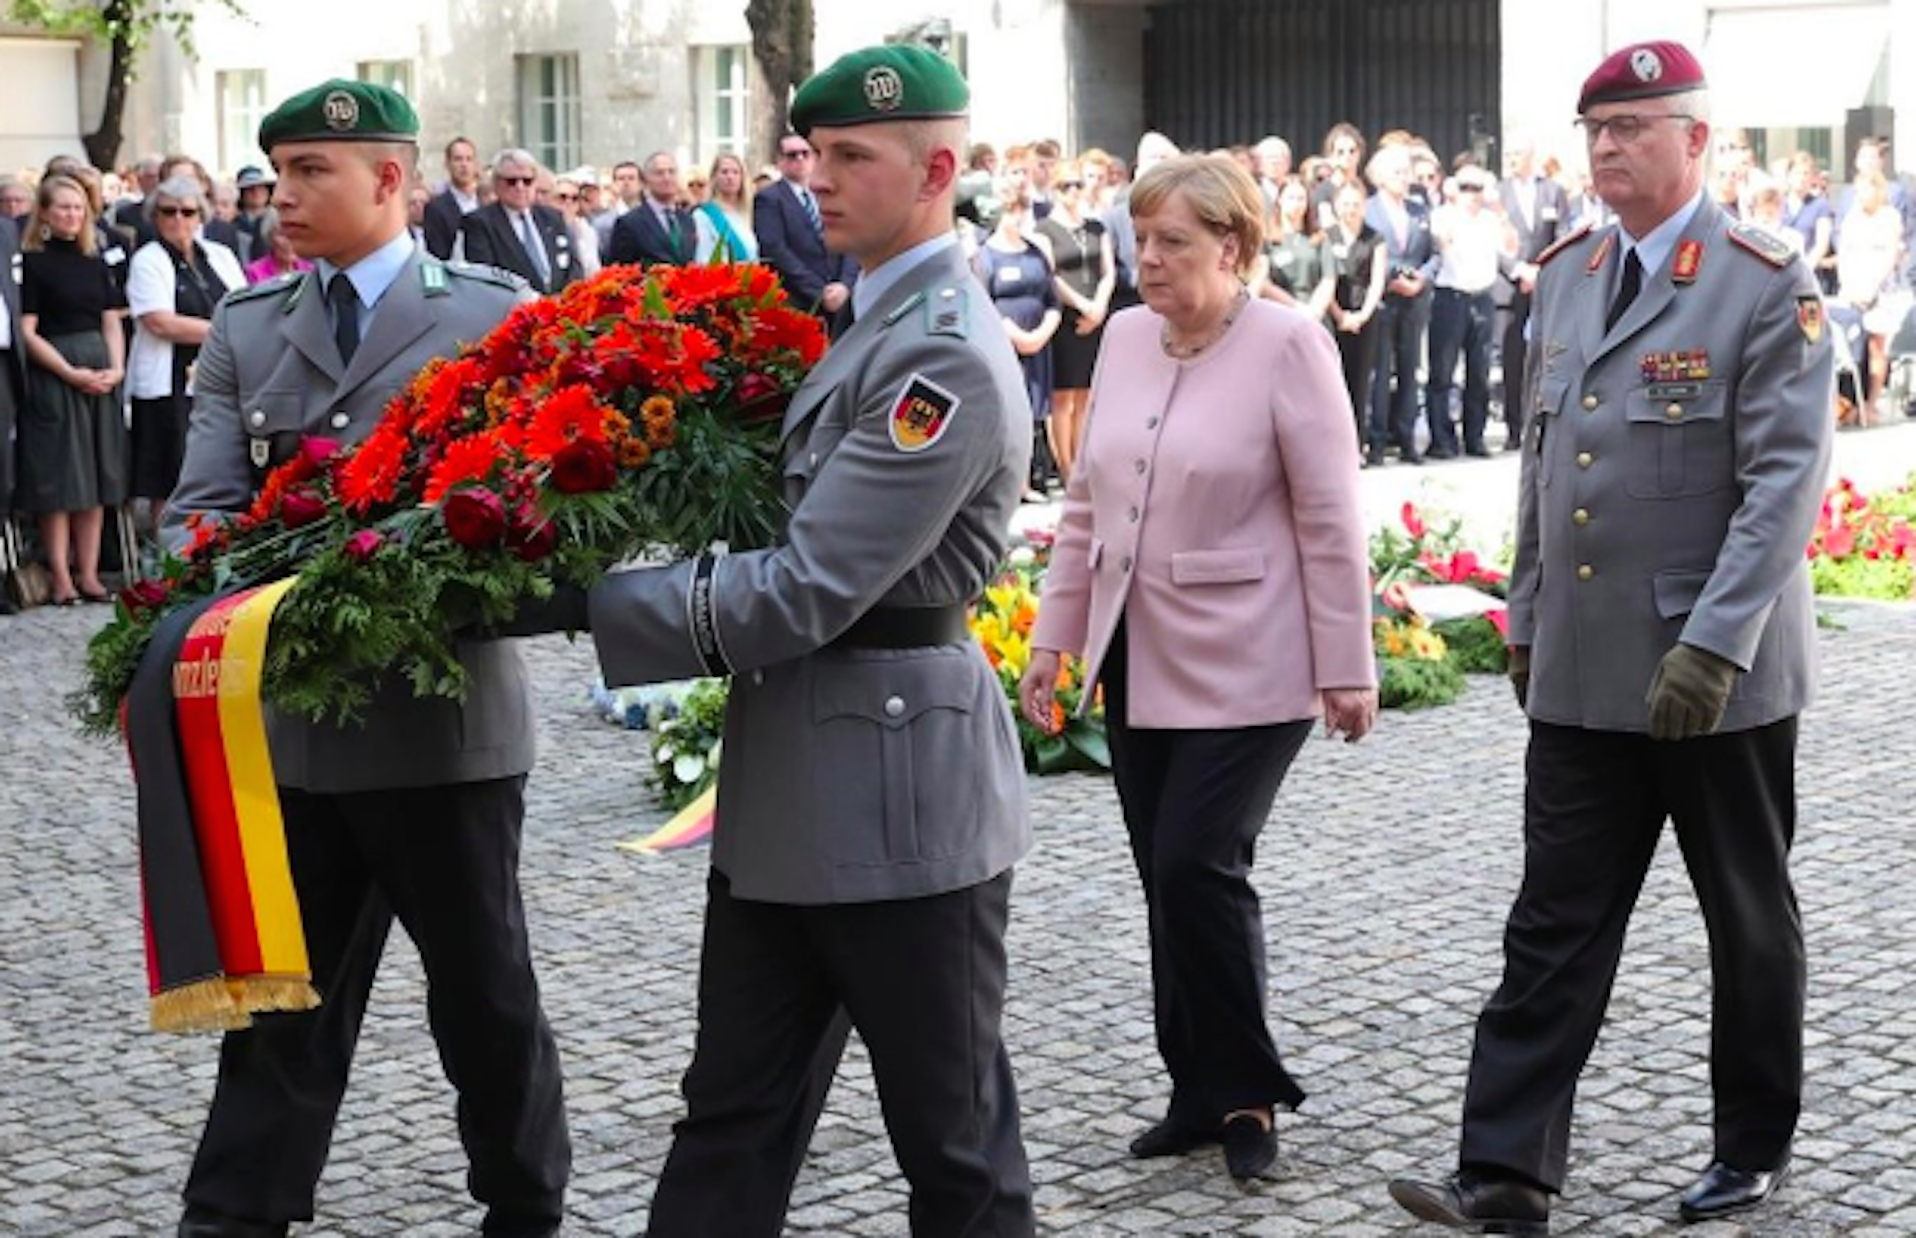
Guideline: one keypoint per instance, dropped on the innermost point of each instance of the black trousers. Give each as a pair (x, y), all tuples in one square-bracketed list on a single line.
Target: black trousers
[(445, 861), (1512, 321), (1594, 806), (1401, 323), (1358, 353), (1459, 327), (923, 981), (1194, 803)]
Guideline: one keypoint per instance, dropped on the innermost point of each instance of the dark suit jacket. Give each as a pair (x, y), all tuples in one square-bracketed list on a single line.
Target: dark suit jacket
[(1417, 252), (1550, 218), (789, 245), (443, 214), (638, 237), (492, 240)]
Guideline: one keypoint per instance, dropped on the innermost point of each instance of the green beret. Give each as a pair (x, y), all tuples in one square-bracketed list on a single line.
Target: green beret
[(898, 81), (341, 111)]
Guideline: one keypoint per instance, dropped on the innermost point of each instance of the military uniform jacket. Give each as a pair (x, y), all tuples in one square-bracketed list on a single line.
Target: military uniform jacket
[(1672, 474), (269, 375), (856, 775)]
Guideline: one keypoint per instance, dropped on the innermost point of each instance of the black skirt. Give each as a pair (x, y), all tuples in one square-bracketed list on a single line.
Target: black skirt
[(1073, 356), (159, 444), (73, 451)]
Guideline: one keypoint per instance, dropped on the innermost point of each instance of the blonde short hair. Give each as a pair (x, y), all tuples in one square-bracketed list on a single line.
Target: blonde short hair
[(1219, 191)]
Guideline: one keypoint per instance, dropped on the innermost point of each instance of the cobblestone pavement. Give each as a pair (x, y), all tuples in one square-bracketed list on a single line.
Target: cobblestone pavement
[(1386, 873)]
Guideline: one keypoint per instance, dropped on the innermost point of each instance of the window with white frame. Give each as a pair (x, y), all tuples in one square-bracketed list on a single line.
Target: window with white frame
[(242, 105), (550, 115), (393, 74), (721, 99)]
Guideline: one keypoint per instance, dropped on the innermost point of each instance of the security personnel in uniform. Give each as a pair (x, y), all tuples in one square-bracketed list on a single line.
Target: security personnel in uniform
[(417, 813), (1663, 643), (873, 799)]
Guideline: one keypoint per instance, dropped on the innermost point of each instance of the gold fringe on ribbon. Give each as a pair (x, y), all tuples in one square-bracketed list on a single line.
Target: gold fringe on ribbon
[(202, 1006), (266, 994)]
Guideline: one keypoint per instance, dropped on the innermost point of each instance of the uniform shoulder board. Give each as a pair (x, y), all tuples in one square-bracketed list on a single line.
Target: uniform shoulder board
[(1566, 241), (486, 275), (277, 284), (1756, 241), (948, 312)]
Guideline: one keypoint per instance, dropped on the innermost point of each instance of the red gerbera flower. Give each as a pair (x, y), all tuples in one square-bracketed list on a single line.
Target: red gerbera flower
[(465, 459), (371, 476), (571, 413)]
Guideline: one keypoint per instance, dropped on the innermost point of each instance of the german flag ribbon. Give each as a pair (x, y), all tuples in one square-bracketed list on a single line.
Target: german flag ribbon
[(223, 932)]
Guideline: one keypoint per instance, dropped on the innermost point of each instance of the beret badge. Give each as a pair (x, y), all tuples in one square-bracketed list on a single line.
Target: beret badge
[(341, 111), (1646, 64), (884, 89)]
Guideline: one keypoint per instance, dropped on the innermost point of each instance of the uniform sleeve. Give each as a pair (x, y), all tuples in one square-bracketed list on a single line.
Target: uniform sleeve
[(150, 283), (1783, 397), (216, 475), (871, 514), (1524, 571)]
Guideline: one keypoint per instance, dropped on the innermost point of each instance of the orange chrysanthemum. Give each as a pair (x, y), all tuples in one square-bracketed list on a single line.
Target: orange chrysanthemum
[(633, 453)]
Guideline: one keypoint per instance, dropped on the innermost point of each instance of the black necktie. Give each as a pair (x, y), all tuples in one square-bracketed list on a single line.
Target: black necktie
[(345, 315), (1626, 291)]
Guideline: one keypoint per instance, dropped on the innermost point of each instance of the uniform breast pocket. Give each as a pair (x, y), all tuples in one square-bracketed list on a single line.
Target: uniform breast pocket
[(1681, 442), (1546, 418), (893, 756), (275, 421)]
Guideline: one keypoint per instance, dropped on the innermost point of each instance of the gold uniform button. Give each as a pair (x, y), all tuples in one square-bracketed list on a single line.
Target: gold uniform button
[(1585, 459), (1580, 516), (1673, 412), (1585, 571), (1590, 403)]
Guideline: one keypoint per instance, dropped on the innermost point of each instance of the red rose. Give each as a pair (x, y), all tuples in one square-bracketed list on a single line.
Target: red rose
[(584, 465), (364, 544), (317, 451), (475, 517), (532, 535), (299, 508), (144, 594), (761, 397)]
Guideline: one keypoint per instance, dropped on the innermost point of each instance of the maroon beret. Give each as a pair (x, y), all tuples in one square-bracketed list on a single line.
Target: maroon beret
[(1642, 71)]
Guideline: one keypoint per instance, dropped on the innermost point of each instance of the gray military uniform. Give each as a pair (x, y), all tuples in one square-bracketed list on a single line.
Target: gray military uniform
[(855, 775), (270, 374), (1672, 472)]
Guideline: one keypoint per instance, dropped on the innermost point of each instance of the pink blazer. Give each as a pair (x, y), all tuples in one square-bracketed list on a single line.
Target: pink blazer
[(1215, 505)]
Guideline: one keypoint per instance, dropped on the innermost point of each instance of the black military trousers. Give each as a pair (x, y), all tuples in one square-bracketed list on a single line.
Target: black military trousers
[(1594, 806), (445, 861), (1194, 802), (923, 981)]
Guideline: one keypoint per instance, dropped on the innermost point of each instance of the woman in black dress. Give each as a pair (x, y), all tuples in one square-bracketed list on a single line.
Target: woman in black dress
[(1351, 288), (1084, 277), (1015, 268), (1294, 252), (72, 436)]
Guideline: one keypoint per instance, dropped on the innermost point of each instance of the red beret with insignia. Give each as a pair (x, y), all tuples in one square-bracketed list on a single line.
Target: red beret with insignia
[(1642, 71)]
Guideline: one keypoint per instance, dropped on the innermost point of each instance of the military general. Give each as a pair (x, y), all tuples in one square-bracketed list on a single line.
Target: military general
[(417, 814), (873, 800), (1662, 642)]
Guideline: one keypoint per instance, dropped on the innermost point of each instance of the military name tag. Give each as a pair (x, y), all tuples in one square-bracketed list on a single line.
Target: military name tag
[(921, 414), (1674, 391)]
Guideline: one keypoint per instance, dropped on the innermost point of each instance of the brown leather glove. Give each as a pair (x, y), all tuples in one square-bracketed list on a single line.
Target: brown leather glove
[(1519, 672), (1689, 692)]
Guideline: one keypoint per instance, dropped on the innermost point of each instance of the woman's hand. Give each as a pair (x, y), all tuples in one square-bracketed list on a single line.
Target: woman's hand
[(1038, 690), (1350, 712), (1089, 320)]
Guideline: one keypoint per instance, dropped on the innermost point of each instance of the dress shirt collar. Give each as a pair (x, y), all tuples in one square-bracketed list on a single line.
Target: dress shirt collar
[(1654, 248), (372, 275), (876, 282)]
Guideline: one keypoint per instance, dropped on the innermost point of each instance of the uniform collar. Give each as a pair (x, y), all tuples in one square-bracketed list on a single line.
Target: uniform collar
[(876, 282), (1653, 249), (372, 275)]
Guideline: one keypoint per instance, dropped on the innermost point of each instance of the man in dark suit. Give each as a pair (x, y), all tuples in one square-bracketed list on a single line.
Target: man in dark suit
[(12, 368), (516, 234), (457, 200), (1404, 315), (418, 814), (790, 238), (656, 230), (1539, 211), (131, 212)]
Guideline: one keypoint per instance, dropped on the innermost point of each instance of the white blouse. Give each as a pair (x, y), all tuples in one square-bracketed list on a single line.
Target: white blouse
[(151, 283)]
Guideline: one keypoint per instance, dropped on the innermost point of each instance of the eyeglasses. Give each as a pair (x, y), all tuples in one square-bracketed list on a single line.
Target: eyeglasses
[(795, 154), (566, 197), (516, 180), (174, 212), (1470, 189), (1626, 128)]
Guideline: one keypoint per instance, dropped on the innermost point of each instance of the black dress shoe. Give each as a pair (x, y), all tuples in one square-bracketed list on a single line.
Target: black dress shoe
[(1724, 1189), (1170, 1138), (1250, 1147), (200, 1223), (1374, 459), (1479, 451), (1441, 453), (1411, 457), (1483, 1205)]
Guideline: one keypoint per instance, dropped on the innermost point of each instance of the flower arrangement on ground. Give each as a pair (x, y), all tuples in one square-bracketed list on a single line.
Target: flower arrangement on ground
[(1002, 622), (1864, 546), (635, 411), (1422, 663)]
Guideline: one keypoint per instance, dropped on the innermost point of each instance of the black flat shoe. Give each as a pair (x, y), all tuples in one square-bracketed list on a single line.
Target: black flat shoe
[(96, 599), (1481, 1205), (200, 1223), (1724, 1190), (1169, 1138), (1250, 1147)]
